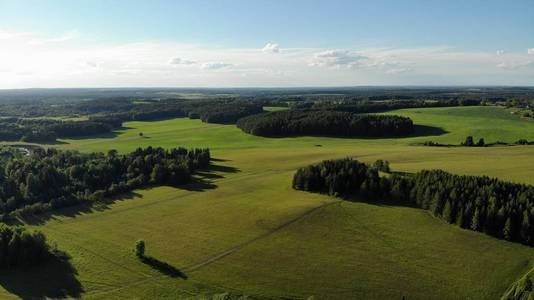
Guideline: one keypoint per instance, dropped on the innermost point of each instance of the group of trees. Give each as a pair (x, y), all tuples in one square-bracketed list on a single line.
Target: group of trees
[(220, 111), (372, 105), (20, 247), (105, 117), (296, 122), (470, 142), (51, 179), (497, 208), (48, 130)]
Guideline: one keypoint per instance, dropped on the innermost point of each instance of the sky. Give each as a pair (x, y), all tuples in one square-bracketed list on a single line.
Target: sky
[(256, 43)]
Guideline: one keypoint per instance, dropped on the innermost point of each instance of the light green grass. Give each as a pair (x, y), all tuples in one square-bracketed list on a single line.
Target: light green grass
[(274, 108), (281, 242)]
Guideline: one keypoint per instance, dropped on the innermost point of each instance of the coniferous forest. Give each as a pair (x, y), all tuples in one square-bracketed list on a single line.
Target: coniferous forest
[(325, 123), (49, 179), (498, 208)]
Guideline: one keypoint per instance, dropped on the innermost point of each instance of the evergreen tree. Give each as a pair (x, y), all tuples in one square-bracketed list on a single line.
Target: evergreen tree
[(447, 212), (140, 248), (507, 232)]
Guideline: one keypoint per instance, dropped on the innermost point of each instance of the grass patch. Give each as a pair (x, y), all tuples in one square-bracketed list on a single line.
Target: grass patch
[(252, 234)]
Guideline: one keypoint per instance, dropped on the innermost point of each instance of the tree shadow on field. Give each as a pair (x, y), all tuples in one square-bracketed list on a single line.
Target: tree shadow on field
[(55, 278), (202, 180), (75, 210), (424, 130), (163, 267), (106, 135)]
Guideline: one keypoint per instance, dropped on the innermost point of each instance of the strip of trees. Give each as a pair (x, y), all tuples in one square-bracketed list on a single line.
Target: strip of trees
[(382, 105), (48, 130), (498, 208), (50, 179), (324, 123), (107, 118), (209, 111), (22, 248)]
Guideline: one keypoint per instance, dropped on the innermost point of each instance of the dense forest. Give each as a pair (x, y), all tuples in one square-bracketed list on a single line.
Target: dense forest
[(105, 117), (212, 111), (49, 179), (21, 248), (325, 123), (498, 208), (387, 105), (48, 130)]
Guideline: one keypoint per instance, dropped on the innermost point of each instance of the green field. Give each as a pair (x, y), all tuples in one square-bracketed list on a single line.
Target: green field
[(243, 228)]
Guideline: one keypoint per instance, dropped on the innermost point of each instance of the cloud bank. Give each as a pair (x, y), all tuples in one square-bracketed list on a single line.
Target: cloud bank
[(67, 60)]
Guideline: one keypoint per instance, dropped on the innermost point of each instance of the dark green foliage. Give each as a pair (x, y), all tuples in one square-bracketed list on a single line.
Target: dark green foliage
[(382, 166), (469, 142), (51, 179), (19, 247), (210, 111), (498, 208), (140, 248), (325, 123), (384, 103), (48, 130)]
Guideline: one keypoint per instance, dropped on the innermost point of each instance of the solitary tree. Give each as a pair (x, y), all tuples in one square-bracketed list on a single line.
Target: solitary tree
[(481, 143), (469, 141), (140, 248)]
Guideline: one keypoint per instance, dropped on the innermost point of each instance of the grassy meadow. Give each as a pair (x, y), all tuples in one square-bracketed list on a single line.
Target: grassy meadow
[(242, 227)]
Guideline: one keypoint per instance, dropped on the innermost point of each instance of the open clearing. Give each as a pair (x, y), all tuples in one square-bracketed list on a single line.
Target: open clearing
[(243, 228)]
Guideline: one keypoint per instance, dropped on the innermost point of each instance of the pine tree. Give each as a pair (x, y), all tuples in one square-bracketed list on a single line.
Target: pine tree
[(475, 220), (507, 232), (447, 212), (525, 228)]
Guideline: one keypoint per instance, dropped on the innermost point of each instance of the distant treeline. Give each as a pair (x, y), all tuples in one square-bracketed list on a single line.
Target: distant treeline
[(215, 111), (225, 111), (381, 106), (106, 117), (48, 130), (50, 179), (470, 142), (497, 208), (325, 123), (21, 248)]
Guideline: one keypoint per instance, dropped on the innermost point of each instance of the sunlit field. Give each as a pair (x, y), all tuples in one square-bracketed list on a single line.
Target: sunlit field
[(242, 228)]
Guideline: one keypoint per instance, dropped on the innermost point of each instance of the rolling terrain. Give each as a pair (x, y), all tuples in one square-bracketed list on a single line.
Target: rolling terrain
[(241, 227)]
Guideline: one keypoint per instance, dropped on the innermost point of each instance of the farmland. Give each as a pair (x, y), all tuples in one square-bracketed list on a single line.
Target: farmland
[(242, 228)]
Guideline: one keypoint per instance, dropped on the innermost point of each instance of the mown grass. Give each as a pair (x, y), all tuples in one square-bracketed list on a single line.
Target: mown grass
[(244, 229)]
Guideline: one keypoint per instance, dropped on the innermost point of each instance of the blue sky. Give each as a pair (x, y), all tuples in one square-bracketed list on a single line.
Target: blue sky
[(340, 42)]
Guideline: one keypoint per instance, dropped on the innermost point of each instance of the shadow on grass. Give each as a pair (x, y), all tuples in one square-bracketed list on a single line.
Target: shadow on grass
[(107, 135), (53, 279), (163, 267), (424, 130), (202, 180)]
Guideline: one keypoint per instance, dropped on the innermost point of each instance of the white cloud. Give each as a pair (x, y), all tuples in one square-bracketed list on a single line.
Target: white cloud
[(181, 61), (530, 51), (500, 52), (515, 65), (271, 48), (92, 64), (67, 36), (215, 65), (338, 58), (156, 64)]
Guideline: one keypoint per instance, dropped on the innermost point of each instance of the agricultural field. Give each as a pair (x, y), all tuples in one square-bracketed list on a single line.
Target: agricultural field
[(242, 228)]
